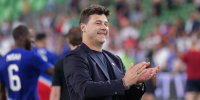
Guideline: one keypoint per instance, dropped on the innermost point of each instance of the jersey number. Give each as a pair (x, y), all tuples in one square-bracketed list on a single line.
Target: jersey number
[(15, 83)]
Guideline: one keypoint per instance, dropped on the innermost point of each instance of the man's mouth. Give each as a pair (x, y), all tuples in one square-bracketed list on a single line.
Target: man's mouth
[(102, 32)]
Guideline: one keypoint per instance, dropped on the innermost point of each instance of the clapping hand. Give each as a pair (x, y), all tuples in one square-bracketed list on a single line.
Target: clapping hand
[(149, 73), (133, 73), (139, 73)]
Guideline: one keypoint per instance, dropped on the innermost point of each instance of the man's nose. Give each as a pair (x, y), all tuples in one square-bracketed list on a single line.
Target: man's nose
[(104, 27)]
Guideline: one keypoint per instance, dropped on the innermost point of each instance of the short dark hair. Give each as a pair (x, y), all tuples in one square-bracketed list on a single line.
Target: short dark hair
[(40, 36), (75, 35), (19, 31), (93, 9)]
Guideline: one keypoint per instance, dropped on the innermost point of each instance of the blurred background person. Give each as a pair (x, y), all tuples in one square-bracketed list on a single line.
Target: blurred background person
[(150, 84), (44, 83), (59, 90), (191, 59), (126, 57), (157, 7)]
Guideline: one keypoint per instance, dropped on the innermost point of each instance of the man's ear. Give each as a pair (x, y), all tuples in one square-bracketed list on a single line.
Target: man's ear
[(83, 27)]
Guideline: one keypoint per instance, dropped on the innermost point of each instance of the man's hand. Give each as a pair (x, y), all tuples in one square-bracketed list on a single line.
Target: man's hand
[(148, 74), (133, 73)]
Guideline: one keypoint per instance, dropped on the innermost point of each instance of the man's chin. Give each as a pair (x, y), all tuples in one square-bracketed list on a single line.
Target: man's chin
[(102, 42)]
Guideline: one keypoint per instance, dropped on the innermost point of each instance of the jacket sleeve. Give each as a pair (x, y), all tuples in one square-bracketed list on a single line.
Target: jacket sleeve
[(77, 76)]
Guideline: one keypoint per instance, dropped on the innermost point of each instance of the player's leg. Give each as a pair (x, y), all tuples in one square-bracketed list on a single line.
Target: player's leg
[(191, 89), (198, 91), (166, 85), (179, 85), (190, 95), (198, 96)]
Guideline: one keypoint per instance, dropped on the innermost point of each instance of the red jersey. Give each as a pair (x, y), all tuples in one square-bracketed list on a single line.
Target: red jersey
[(192, 60)]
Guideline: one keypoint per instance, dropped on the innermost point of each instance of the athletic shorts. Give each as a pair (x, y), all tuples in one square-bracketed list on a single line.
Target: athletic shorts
[(193, 86)]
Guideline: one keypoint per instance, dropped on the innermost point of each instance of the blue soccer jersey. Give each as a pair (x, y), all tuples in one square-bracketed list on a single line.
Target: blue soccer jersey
[(19, 71), (48, 57), (65, 51)]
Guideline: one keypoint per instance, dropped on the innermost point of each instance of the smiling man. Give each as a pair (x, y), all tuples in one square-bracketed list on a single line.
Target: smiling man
[(95, 74)]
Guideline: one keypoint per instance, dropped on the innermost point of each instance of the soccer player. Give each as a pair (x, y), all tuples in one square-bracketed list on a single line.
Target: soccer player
[(44, 83), (191, 59), (20, 68), (42, 50)]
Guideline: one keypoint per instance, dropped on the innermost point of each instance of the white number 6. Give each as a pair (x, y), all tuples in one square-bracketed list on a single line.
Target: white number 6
[(14, 80)]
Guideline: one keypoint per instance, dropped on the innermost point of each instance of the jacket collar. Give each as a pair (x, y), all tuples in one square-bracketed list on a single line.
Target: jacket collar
[(101, 65), (118, 74), (84, 47), (96, 59)]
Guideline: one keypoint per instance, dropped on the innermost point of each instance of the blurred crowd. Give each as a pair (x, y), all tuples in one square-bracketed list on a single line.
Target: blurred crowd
[(167, 41)]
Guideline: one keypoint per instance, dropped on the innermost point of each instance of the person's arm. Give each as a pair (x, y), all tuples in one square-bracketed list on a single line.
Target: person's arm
[(42, 65), (55, 93), (57, 80), (77, 76), (2, 91), (177, 68), (50, 70)]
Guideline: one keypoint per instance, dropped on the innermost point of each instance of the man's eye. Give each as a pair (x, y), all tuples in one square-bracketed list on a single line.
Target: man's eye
[(106, 24)]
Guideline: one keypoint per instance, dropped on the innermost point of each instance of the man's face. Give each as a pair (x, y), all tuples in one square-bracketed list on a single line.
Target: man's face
[(97, 29)]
